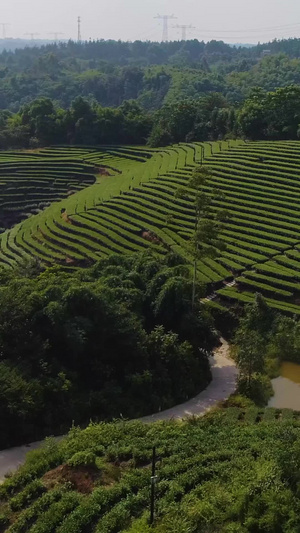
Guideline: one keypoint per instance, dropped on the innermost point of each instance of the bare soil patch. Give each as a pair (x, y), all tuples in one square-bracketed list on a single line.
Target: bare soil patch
[(81, 478)]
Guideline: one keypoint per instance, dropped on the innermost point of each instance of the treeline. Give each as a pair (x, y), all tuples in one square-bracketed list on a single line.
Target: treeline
[(118, 339), (144, 53), (272, 115)]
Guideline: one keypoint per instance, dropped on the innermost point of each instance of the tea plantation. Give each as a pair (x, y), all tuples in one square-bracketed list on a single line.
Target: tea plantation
[(235, 470), (121, 199)]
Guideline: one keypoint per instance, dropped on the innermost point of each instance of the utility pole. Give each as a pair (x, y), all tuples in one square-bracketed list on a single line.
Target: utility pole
[(4, 25), (79, 29), (165, 19), (153, 484), (183, 28), (202, 154), (55, 34), (31, 35)]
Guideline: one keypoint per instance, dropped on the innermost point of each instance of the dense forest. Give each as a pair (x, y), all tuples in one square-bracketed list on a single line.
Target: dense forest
[(142, 92), (119, 339), (154, 73), (264, 115)]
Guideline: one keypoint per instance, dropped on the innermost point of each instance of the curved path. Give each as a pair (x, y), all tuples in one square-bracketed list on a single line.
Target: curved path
[(224, 374)]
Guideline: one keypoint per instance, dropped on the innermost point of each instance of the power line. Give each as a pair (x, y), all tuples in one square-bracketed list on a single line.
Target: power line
[(257, 30), (55, 34), (184, 28), (165, 19)]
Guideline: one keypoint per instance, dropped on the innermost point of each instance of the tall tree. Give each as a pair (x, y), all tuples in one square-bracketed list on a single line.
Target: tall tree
[(250, 353), (204, 241)]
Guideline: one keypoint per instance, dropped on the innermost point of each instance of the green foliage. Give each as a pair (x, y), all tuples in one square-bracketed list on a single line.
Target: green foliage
[(285, 343), (271, 115), (259, 390), (52, 518), (236, 469), (250, 353), (225, 319), (138, 92), (264, 115), (82, 459), (4, 521), (31, 491), (255, 182), (99, 345)]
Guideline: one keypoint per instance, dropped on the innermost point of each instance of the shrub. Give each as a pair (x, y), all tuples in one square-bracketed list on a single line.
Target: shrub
[(82, 459), (30, 492), (50, 520), (28, 516), (15, 483), (239, 401), (3, 522), (259, 390)]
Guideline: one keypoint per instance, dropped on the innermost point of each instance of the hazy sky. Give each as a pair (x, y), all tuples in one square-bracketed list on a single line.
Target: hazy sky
[(229, 20)]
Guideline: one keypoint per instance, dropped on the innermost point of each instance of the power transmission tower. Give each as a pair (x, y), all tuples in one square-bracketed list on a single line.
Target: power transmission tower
[(165, 19), (32, 35), (55, 34), (79, 29), (183, 28), (4, 25)]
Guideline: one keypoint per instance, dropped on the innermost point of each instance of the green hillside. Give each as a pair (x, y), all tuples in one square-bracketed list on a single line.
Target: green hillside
[(236, 470), (132, 197), (122, 199)]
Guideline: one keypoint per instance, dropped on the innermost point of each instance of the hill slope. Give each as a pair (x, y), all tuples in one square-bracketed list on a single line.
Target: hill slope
[(131, 206), (233, 471), (128, 209)]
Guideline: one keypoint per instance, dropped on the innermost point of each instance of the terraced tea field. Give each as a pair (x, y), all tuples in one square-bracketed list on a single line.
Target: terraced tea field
[(124, 209), (122, 200), (228, 471)]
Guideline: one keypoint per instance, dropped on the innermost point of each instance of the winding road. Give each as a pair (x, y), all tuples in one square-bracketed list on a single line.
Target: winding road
[(224, 375)]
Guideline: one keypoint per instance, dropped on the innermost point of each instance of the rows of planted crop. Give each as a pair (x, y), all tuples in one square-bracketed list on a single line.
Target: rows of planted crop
[(30, 182), (122, 212), (51, 493), (143, 200), (60, 173), (260, 187), (132, 210), (132, 205)]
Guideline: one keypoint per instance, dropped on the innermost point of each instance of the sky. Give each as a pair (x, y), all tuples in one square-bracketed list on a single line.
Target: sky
[(234, 21)]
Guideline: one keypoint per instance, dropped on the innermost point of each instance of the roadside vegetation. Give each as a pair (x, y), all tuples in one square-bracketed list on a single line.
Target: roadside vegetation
[(236, 470)]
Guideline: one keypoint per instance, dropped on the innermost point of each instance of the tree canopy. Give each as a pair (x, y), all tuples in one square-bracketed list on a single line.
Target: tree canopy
[(118, 339)]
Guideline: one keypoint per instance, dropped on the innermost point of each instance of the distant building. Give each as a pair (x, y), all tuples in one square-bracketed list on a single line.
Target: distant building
[(266, 53)]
